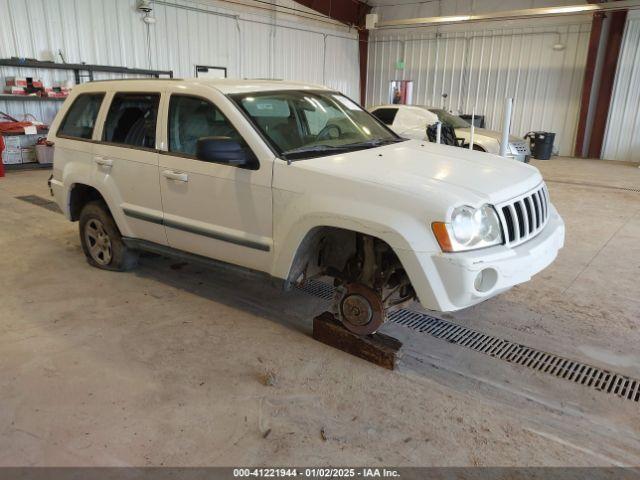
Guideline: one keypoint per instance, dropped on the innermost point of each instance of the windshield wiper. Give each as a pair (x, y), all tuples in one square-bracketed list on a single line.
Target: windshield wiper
[(313, 149), (377, 142), (320, 149)]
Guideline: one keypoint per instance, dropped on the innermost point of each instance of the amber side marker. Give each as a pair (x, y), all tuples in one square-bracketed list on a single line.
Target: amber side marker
[(442, 235)]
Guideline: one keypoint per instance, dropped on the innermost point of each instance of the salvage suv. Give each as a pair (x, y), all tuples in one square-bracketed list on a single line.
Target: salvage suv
[(298, 182)]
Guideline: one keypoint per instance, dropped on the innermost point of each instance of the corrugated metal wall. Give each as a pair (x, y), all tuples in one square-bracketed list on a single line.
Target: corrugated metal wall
[(186, 34), (622, 137), (479, 69)]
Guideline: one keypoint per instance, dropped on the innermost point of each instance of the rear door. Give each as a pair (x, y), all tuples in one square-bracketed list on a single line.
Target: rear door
[(211, 209), (74, 142), (126, 158)]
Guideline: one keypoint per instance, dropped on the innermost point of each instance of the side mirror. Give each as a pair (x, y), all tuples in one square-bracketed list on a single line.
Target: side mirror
[(226, 151)]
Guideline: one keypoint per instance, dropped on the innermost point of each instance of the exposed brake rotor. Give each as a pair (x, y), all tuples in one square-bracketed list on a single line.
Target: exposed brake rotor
[(360, 309)]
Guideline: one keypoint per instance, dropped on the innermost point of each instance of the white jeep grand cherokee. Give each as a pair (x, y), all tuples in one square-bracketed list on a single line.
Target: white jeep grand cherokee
[(296, 181)]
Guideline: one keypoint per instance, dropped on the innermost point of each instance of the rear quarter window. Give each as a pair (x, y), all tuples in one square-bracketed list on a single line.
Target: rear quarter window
[(80, 119)]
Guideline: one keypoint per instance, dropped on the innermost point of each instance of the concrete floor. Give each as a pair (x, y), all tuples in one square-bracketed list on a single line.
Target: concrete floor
[(164, 365)]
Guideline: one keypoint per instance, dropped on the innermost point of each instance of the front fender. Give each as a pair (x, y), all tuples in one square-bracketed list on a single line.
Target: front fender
[(295, 218)]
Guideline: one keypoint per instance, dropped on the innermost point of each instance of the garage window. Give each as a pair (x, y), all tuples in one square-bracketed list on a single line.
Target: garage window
[(132, 120), (386, 115), (193, 118), (80, 120)]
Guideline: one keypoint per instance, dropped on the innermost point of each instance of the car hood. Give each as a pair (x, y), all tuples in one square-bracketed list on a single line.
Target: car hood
[(490, 134), (427, 168)]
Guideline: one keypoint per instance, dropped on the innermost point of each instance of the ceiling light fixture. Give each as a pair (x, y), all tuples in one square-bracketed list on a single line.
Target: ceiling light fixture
[(509, 14)]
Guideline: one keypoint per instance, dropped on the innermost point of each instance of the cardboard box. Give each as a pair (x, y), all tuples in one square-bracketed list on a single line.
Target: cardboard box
[(56, 92), (20, 141), (28, 155), (16, 81), (15, 90), (23, 82), (11, 156)]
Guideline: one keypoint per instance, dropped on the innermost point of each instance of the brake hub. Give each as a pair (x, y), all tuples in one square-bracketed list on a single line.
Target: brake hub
[(360, 309)]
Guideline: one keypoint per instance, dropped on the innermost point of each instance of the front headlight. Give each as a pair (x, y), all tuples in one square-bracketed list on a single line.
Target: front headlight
[(469, 228)]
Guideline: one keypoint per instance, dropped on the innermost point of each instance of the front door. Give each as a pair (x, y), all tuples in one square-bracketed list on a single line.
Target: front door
[(211, 209)]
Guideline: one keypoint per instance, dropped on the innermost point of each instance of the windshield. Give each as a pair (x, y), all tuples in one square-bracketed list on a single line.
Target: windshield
[(449, 119), (304, 124)]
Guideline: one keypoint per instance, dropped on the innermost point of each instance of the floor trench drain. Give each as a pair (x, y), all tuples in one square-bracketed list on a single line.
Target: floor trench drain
[(574, 371)]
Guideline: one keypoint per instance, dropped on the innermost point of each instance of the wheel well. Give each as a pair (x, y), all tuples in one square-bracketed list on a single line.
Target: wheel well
[(330, 250), (81, 195), (478, 148)]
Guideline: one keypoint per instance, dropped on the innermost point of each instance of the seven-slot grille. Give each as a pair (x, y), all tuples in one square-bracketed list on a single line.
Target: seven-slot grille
[(524, 217)]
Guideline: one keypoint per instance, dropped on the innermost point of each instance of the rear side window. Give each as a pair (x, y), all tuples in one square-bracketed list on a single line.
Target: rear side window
[(386, 115), (81, 117), (132, 120)]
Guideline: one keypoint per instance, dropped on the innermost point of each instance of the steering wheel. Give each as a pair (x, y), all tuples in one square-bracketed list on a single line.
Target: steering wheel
[(325, 133)]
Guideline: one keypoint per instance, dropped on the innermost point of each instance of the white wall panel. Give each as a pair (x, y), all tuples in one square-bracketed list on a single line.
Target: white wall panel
[(622, 137), (479, 69), (249, 43)]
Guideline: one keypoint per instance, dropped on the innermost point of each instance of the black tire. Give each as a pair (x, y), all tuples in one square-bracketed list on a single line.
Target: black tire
[(101, 240), (478, 148)]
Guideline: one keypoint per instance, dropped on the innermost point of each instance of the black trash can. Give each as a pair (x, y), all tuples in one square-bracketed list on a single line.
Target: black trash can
[(541, 144)]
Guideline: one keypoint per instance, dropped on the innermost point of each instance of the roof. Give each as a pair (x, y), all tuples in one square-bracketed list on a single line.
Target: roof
[(225, 86)]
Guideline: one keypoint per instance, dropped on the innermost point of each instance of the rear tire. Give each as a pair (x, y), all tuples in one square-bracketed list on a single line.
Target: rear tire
[(101, 240)]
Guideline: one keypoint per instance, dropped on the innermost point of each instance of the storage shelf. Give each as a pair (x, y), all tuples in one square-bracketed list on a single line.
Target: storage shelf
[(27, 166), (79, 68), (29, 98)]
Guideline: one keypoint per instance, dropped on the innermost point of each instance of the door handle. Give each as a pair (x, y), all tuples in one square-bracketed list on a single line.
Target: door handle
[(105, 162), (173, 175)]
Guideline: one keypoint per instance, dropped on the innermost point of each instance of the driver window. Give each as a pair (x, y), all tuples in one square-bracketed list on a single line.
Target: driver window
[(192, 118)]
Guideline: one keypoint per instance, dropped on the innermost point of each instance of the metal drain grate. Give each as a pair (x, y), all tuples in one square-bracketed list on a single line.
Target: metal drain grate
[(41, 202), (597, 185), (576, 372)]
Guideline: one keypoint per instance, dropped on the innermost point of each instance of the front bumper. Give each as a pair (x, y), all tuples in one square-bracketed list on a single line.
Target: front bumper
[(520, 158), (449, 281)]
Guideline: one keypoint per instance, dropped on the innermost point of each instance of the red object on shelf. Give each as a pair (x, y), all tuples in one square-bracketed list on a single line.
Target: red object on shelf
[(1, 162)]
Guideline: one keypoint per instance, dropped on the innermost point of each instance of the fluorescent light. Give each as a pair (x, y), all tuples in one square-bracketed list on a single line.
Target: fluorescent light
[(571, 9), (455, 18)]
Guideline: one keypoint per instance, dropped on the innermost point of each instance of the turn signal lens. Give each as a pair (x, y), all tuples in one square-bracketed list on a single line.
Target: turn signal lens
[(442, 235)]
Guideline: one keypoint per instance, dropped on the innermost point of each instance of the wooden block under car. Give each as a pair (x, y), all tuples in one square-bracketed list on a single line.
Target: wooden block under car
[(378, 348)]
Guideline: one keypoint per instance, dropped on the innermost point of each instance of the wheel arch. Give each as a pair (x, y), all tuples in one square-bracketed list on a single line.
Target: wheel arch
[(79, 195), (478, 148), (302, 243)]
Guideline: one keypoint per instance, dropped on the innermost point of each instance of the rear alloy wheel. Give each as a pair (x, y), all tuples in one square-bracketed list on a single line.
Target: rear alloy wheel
[(360, 309), (101, 240), (98, 242)]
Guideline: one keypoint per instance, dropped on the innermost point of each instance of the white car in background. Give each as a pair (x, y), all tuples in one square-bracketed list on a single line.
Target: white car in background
[(411, 121), (296, 182)]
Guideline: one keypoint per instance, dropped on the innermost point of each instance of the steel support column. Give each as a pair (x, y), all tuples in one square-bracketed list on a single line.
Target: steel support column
[(612, 52), (353, 14), (588, 82)]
